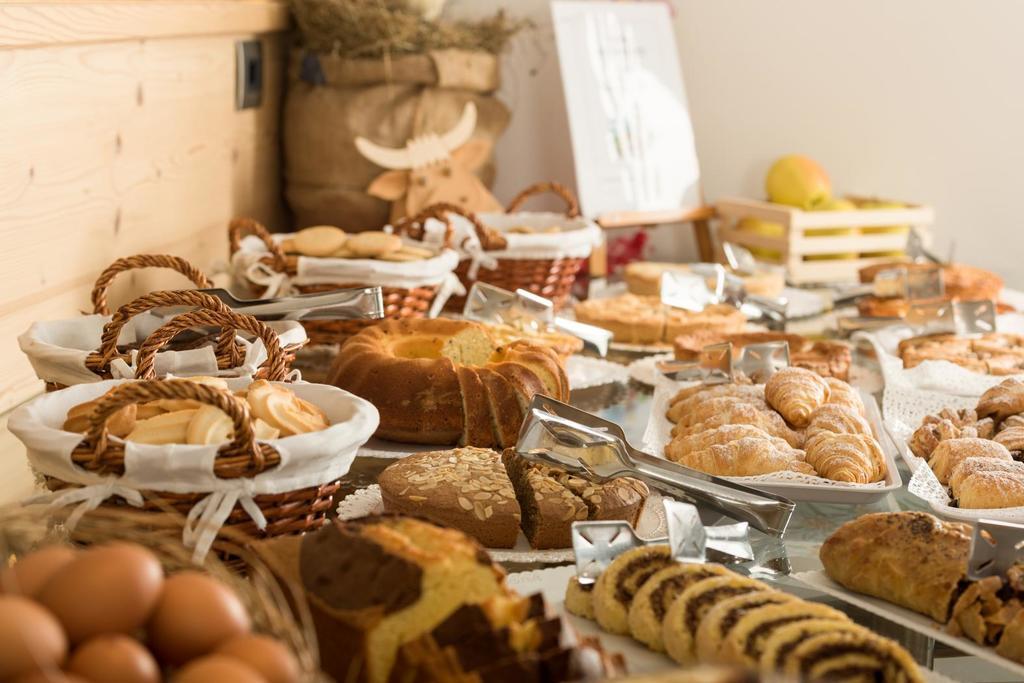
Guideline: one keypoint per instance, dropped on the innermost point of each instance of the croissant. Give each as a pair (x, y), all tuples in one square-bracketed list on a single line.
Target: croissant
[(1003, 400), (843, 394), (1012, 438), (744, 413), (746, 457), (951, 452), (796, 393), (687, 398), (703, 410), (685, 444), (852, 458), (991, 490), (837, 418), (970, 466)]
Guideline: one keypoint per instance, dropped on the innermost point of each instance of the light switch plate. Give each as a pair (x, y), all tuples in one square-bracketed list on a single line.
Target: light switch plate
[(248, 74)]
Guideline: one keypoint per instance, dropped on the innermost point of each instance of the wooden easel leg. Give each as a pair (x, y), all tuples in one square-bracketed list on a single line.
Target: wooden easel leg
[(705, 247)]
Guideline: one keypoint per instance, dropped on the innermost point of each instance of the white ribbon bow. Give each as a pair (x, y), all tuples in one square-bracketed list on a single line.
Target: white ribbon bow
[(206, 517), (449, 286), (275, 284), (88, 498)]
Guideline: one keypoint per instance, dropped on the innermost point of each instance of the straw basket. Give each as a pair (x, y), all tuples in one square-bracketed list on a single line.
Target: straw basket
[(545, 263), (407, 292)]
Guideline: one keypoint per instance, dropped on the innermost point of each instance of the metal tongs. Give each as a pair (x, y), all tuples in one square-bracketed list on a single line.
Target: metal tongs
[(596, 544), (995, 547), (363, 303), (898, 282), (962, 318), (716, 364), (711, 283), (526, 311), (558, 435)]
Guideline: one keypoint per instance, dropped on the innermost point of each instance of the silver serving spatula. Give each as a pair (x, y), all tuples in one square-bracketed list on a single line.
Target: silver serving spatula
[(710, 283), (595, 449), (717, 366), (995, 547)]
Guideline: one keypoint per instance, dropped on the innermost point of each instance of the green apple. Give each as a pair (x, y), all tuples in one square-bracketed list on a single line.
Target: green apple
[(796, 180)]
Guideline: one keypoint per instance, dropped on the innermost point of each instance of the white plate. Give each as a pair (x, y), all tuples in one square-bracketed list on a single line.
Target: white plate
[(651, 524), (906, 618), (551, 584), (793, 485)]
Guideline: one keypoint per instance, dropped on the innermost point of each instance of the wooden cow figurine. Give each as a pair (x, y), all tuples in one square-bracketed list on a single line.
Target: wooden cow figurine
[(432, 168)]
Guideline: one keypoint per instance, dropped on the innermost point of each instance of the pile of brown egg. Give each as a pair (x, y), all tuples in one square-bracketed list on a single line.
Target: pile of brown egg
[(108, 613)]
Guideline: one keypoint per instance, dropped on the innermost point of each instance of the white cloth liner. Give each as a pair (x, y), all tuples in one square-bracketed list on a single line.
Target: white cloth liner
[(438, 271), (306, 459), (58, 349)]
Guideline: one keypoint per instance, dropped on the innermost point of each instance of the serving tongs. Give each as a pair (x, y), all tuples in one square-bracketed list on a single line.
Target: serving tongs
[(361, 303), (995, 547), (911, 284), (528, 312), (566, 438), (716, 364), (710, 283)]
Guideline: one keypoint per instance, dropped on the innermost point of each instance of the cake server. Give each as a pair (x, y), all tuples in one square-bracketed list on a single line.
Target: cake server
[(716, 364), (995, 547), (897, 282), (529, 312), (362, 303), (596, 544), (962, 318), (595, 449), (710, 283)]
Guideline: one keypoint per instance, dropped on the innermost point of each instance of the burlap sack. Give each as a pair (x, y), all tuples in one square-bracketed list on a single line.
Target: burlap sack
[(331, 100)]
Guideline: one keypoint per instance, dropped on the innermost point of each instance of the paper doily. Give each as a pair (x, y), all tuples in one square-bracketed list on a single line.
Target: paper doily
[(379, 448), (585, 371), (652, 524), (645, 371)]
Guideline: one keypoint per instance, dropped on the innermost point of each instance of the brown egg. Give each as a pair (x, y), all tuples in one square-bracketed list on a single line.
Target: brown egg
[(268, 656), (114, 658), (195, 614), (217, 669), (29, 574), (110, 588), (31, 638), (54, 676)]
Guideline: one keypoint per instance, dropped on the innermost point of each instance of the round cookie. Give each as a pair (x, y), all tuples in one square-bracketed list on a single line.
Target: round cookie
[(679, 629), (748, 638), (319, 240), (579, 598), (656, 596), (721, 619), (373, 244), (615, 588)]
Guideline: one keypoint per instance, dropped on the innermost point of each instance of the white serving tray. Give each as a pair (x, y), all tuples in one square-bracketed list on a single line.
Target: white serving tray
[(551, 583), (793, 485), (906, 618)]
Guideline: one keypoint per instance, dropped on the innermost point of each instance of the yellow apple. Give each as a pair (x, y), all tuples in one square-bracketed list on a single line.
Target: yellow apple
[(884, 204), (843, 256), (833, 204), (897, 255), (767, 229), (797, 181)]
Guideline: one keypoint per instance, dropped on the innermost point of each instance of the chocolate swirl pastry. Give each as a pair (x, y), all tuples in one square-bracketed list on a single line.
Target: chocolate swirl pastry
[(613, 594), (848, 655), (746, 640), (721, 619), (656, 596)]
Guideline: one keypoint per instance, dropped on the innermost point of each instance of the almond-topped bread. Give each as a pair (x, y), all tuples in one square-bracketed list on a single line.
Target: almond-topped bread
[(465, 488)]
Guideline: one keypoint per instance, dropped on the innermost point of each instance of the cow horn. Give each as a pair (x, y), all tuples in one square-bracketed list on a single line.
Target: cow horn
[(385, 157), (462, 131)]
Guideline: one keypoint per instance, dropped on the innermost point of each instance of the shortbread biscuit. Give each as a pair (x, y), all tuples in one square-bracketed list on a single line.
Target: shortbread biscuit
[(209, 425), (400, 257), (283, 410), (320, 240), (162, 429), (373, 243)]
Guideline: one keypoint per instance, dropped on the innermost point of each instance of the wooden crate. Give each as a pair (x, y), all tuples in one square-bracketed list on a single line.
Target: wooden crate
[(794, 245)]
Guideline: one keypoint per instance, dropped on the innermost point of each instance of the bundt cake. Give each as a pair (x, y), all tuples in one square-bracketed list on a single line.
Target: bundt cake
[(447, 382)]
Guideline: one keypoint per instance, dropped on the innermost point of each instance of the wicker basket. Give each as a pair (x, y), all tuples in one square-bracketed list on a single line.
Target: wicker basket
[(399, 302), (99, 290), (540, 263)]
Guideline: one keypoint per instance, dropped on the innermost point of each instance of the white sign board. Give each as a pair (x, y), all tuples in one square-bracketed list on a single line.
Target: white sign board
[(632, 137)]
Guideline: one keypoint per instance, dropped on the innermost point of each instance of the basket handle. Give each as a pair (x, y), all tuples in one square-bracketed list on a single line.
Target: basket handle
[(572, 207), (242, 227), (226, 349), (99, 290), (243, 443), (274, 368), (415, 226), (489, 239)]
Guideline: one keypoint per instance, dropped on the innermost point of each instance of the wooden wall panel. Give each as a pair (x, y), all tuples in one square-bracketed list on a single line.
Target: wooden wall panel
[(131, 146)]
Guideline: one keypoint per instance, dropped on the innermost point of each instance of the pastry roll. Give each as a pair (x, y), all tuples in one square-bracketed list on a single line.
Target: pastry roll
[(746, 457), (1003, 400), (679, 629), (841, 393), (970, 466), (838, 419), (852, 458), (989, 490), (980, 613), (702, 392), (579, 598), (854, 654), (796, 393), (655, 597), (746, 641), (911, 559), (687, 443), (744, 413), (951, 452), (723, 617), (711, 407), (615, 588)]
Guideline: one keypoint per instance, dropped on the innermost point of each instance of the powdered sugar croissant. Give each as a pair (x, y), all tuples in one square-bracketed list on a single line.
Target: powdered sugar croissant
[(686, 444), (746, 457), (1002, 400), (744, 413), (837, 419), (852, 458), (796, 393), (704, 410)]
